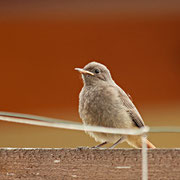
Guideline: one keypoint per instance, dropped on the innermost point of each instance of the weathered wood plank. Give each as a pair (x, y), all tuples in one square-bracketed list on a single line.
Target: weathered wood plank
[(84, 163)]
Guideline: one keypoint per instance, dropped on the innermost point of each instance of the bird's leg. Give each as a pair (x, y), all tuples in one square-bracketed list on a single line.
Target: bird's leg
[(99, 145), (117, 142)]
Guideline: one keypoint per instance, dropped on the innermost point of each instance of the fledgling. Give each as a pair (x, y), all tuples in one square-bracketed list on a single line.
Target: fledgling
[(103, 103)]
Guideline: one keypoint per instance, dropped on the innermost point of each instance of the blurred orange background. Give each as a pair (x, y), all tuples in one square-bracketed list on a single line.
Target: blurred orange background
[(41, 42)]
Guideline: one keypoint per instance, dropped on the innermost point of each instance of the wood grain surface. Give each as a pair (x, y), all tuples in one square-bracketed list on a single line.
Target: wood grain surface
[(85, 163)]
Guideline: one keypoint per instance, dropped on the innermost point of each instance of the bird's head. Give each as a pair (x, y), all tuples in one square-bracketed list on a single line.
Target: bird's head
[(95, 73)]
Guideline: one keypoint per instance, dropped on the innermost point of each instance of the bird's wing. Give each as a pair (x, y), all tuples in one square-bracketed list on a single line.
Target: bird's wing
[(131, 109)]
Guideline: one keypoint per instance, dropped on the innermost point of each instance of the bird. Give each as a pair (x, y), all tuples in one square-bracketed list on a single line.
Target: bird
[(103, 103)]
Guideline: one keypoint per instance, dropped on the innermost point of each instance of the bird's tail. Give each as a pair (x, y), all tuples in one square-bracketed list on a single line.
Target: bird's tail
[(136, 141), (150, 145)]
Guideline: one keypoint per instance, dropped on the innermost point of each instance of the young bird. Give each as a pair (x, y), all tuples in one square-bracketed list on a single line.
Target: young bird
[(103, 103)]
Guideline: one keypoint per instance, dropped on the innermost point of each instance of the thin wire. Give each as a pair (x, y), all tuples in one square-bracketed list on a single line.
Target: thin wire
[(165, 129), (35, 117), (76, 126), (144, 158), (160, 129)]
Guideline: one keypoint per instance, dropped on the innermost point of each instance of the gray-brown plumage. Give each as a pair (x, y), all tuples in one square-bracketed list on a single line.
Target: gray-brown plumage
[(103, 103)]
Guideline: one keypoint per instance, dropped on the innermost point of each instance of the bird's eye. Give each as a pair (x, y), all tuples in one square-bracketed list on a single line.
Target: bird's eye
[(97, 71)]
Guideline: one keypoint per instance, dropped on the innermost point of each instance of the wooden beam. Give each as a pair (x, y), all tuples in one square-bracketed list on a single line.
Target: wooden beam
[(85, 163)]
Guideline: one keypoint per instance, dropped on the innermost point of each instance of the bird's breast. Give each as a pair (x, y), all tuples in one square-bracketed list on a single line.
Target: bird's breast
[(100, 107)]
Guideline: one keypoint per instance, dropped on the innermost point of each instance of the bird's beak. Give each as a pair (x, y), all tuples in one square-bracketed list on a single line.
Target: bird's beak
[(82, 71)]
